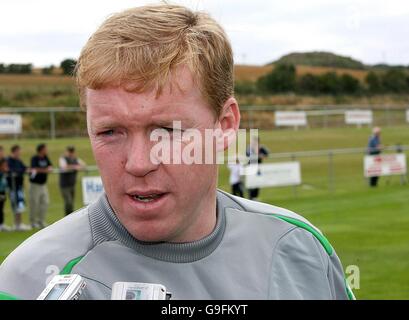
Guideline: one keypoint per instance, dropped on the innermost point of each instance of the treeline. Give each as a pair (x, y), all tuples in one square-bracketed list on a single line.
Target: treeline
[(16, 68), (283, 79), (67, 67)]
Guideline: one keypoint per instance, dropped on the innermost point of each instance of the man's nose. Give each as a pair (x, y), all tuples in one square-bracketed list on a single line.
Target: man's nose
[(139, 162)]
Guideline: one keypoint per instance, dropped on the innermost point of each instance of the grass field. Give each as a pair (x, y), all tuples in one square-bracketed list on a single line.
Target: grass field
[(367, 227)]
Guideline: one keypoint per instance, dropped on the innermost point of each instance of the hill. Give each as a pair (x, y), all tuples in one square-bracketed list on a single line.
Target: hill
[(320, 59), (252, 73)]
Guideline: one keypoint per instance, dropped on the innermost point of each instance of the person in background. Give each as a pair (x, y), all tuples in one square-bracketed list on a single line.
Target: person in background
[(235, 179), (69, 165), (3, 188), (374, 148), (15, 181), (256, 152), (39, 199)]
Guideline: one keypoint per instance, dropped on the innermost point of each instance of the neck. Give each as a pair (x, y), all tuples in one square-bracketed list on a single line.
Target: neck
[(203, 220)]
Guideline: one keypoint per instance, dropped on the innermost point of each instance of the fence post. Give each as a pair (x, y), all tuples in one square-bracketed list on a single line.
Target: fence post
[(293, 158), (52, 125), (326, 117), (331, 186), (388, 116)]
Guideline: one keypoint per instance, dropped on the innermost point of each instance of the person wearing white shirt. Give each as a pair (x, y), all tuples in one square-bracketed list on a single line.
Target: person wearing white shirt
[(235, 179)]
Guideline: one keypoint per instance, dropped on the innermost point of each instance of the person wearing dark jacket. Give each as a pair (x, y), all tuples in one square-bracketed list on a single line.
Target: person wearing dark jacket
[(374, 148), (3, 188), (15, 181), (69, 165)]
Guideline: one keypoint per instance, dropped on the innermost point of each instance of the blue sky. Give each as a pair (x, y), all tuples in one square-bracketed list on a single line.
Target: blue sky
[(45, 32)]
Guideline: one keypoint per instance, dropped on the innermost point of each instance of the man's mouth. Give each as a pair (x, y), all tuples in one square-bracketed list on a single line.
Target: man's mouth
[(147, 198)]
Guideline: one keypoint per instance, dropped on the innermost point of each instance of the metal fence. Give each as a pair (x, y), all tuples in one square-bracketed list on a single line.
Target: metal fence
[(329, 170), (323, 172), (54, 124), (49, 127), (322, 116)]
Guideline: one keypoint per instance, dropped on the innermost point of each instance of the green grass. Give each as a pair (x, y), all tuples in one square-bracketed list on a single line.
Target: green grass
[(367, 227)]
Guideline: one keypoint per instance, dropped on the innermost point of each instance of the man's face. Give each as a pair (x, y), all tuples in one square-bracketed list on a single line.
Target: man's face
[(43, 152), (17, 153), (119, 125)]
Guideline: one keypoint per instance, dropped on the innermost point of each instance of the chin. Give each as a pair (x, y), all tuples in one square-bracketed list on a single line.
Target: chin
[(147, 233)]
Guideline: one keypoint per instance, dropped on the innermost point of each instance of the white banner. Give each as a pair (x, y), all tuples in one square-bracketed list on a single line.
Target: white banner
[(358, 117), (272, 175), (290, 118), (10, 124), (92, 188), (385, 165)]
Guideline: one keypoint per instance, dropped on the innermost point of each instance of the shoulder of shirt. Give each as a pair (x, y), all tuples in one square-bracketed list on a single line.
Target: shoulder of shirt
[(58, 244), (278, 218)]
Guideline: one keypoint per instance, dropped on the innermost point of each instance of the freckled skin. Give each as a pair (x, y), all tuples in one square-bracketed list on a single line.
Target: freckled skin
[(188, 212)]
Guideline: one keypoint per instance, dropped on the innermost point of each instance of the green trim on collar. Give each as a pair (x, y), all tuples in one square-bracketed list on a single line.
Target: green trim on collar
[(6, 296), (350, 294), (70, 265)]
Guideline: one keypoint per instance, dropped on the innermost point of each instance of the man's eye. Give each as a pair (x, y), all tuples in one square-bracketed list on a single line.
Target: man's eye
[(172, 130), (106, 133)]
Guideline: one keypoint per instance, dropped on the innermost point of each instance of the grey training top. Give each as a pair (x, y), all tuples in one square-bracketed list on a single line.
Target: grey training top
[(256, 251)]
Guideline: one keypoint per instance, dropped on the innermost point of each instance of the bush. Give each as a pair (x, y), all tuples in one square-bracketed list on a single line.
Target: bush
[(309, 84), (281, 79), (350, 85), (3, 101), (330, 83), (245, 87), (25, 95), (373, 82), (68, 66), (47, 70), (19, 68), (395, 81)]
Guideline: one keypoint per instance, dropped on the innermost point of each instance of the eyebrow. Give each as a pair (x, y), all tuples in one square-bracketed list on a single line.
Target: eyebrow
[(103, 124)]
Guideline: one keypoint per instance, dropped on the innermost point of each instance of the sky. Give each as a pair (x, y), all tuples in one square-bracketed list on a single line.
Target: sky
[(45, 32)]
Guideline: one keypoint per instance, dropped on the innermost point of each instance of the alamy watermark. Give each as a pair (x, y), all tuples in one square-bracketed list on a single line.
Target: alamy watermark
[(206, 146), (353, 277)]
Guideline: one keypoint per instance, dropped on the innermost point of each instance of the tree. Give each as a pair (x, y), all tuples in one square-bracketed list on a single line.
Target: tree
[(374, 82), (47, 70), (281, 79), (309, 84), (349, 84), (16, 68), (68, 66), (394, 80), (245, 87), (330, 83)]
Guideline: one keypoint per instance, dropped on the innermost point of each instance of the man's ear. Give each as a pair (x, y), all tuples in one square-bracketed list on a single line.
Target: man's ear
[(229, 121)]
